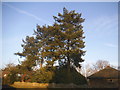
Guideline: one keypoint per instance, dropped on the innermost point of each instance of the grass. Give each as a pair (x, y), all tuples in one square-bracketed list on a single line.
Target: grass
[(28, 85), (45, 85)]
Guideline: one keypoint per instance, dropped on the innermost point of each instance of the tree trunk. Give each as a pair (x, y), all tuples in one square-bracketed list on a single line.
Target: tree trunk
[(40, 65), (68, 69), (68, 62), (68, 58), (23, 77)]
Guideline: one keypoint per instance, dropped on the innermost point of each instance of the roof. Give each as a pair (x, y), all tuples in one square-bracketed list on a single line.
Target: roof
[(106, 73)]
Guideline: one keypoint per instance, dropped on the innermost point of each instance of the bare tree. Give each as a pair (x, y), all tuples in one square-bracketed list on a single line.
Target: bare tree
[(9, 66), (100, 64), (115, 66), (88, 69)]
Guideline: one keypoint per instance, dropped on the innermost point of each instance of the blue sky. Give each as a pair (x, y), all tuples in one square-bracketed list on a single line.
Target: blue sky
[(101, 27)]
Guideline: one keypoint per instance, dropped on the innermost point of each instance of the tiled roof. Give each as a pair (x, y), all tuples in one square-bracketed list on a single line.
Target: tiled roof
[(106, 73)]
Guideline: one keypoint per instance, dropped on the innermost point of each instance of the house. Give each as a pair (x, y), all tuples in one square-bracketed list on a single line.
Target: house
[(107, 77)]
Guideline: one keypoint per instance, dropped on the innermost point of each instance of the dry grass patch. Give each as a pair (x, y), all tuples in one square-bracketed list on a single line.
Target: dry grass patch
[(45, 85)]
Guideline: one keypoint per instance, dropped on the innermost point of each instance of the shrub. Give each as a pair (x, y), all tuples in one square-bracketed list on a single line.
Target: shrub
[(42, 76), (61, 76)]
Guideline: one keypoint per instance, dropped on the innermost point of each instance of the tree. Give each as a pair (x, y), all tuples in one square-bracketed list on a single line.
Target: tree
[(71, 37), (63, 42), (43, 38), (9, 67), (88, 69), (30, 52), (43, 75), (100, 64), (12, 74), (31, 57)]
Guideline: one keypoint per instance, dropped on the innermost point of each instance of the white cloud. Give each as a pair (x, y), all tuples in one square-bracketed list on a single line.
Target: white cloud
[(27, 13), (111, 45), (107, 23), (102, 25)]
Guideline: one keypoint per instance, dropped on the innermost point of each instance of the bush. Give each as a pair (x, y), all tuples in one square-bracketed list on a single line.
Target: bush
[(42, 76), (58, 75), (10, 78), (61, 76)]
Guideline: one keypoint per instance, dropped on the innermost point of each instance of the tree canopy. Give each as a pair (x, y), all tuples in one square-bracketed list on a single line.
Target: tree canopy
[(61, 42)]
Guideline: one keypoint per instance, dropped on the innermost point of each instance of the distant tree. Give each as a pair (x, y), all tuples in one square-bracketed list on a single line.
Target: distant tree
[(9, 66), (114, 66), (88, 69), (100, 64)]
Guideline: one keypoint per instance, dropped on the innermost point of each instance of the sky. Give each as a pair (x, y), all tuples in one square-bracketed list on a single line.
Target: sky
[(19, 19)]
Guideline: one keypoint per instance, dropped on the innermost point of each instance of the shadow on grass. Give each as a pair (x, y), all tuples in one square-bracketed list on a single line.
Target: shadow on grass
[(6, 87)]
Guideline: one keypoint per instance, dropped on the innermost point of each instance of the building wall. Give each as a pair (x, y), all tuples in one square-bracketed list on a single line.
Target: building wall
[(102, 83)]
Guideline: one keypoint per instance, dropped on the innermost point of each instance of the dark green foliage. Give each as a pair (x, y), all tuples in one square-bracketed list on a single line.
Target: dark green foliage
[(44, 75), (12, 76), (71, 34), (61, 76), (30, 52), (10, 79), (63, 43)]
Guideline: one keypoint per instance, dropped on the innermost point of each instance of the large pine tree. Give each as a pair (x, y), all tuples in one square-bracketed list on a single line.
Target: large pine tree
[(62, 42), (70, 35)]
